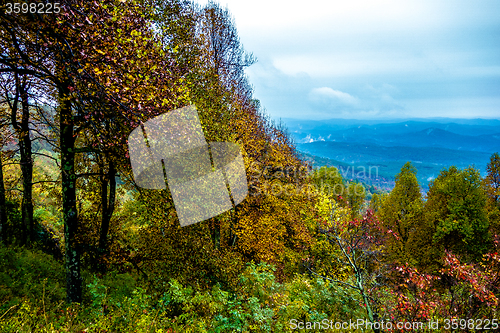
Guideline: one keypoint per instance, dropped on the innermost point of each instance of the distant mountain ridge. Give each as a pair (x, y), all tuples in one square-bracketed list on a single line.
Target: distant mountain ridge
[(341, 123), (350, 152), (429, 145), (459, 136)]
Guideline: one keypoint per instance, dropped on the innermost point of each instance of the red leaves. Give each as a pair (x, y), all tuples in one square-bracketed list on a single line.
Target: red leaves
[(415, 299), (472, 289), (481, 282), (393, 234)]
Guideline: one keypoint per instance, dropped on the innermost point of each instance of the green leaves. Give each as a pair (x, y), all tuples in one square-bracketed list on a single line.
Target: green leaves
[(457, 207)]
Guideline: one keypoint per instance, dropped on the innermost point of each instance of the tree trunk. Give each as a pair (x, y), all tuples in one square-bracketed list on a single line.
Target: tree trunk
[(3, 207), (104, 209), (70, 215), (23, 133), (26, 170), (372, 317), (108, 204)]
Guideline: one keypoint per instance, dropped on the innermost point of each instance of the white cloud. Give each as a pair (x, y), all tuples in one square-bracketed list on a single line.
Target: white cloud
[(286, 14), (441, 55), (328, 95)]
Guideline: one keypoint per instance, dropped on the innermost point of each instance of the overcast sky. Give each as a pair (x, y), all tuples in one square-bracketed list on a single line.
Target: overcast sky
[(322, 59)]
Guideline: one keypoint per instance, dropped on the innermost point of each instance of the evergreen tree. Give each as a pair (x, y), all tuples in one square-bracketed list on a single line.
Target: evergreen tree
[(401, 214), (377, 201), (492, 188), (456, 207)]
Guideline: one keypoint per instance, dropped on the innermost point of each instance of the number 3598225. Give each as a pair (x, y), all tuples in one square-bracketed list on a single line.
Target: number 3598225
[(32, 7)]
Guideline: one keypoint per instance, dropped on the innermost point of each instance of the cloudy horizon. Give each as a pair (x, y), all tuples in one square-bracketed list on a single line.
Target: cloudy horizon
[(372, 59)]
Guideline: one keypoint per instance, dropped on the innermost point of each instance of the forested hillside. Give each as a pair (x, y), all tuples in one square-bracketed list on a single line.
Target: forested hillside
[(85, 249)]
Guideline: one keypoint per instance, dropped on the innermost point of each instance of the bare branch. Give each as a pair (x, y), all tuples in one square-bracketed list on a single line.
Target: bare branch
[(44, 181)]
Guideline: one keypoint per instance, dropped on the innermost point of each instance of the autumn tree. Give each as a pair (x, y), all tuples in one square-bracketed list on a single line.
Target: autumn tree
[(18, 34), (329, 181), (223, 57), (358, 244), (470, 290), (355, 194), (80, 53), (268, 225), (174, 56)]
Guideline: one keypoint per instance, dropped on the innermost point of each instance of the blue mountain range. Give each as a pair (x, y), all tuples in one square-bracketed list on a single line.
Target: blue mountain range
[(430, 144)]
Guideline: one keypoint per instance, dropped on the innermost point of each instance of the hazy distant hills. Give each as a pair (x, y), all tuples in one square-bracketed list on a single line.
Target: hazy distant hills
[(428, 137), (431, 144), (396, 126), (354, 152), (436, 137), (478, 135)]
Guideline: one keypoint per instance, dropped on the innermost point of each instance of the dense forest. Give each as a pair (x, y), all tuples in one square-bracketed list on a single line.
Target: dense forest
[(85, 249)]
